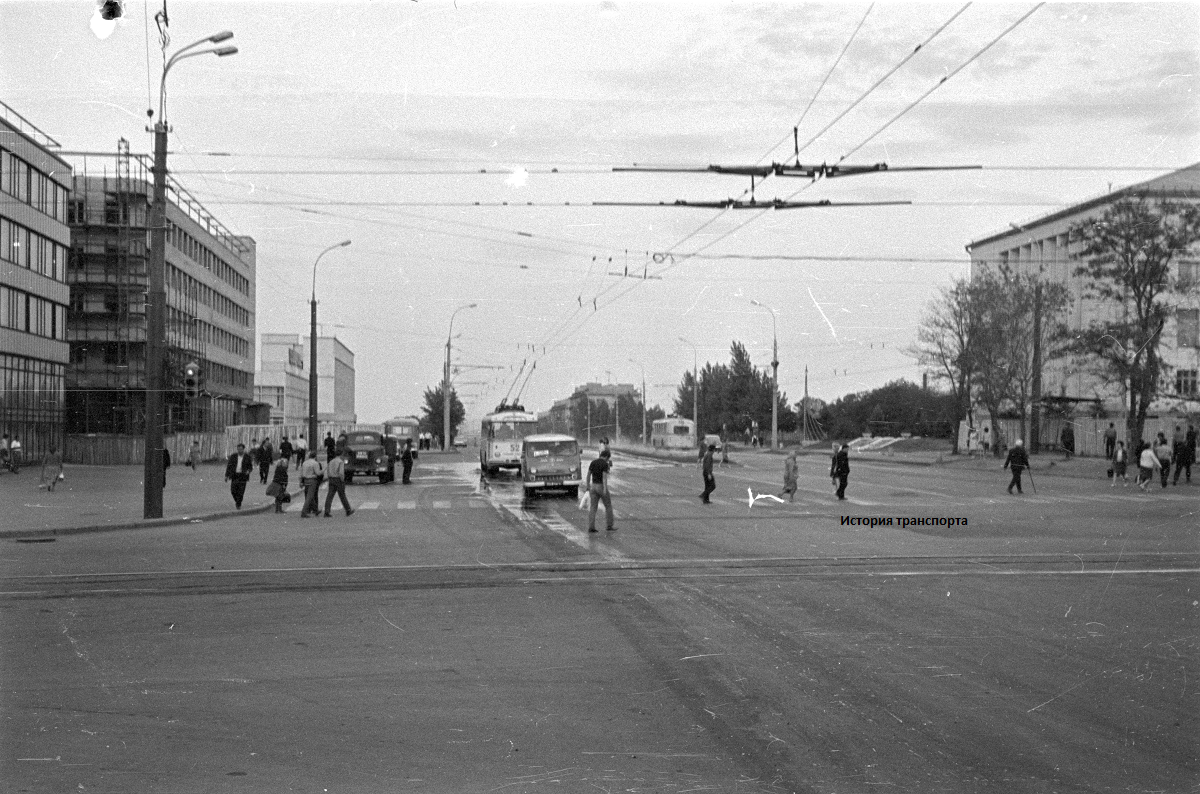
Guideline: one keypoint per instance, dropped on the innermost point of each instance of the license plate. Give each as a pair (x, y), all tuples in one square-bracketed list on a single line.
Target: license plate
[(362, 456), (554, 479)]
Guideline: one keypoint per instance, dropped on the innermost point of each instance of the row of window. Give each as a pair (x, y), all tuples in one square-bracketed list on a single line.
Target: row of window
[(30, 186), (32, 251), (201, 253), (1186, 383), (31, 403), (187, 326), (193, 289), (21, 311), (221, 375), (1187, 327)]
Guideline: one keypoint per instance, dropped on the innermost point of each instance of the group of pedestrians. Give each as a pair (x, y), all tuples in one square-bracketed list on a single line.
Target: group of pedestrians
[(1178, 452)]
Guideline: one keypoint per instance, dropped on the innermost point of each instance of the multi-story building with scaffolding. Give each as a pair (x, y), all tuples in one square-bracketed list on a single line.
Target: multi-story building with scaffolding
[(210, 285), (34, 239)]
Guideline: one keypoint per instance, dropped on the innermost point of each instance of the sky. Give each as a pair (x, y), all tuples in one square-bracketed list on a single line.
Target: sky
[(462, 147)]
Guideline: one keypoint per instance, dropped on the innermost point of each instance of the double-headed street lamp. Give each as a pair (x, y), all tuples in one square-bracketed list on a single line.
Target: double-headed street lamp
[(156, 293), (446, 380), (774, 376), (695, 387), (312, 352)]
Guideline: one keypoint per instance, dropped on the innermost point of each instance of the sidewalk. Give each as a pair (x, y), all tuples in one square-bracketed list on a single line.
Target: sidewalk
[(110, 497)]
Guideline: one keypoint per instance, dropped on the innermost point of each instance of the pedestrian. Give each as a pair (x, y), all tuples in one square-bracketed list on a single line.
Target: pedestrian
[(311, 474), (194, 455), (987, 440), (52, 465), (1189, 450), (1147, 463), (336, 473), (790, 466), (279, 485), (14, 454), (1162, 450), (285, 451), (406, 460), (301, 450), (973, 442), (706, 470), (238, 469), (1110, 441), (597, 485), (1067, 437), (1120, 459), (341, 442), (839, 470), (4, 442), (264, 453), (1179, 452), (1018, 461), (330, 447)]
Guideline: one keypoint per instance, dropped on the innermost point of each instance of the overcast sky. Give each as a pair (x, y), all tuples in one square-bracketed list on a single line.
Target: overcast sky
[(386, 122)]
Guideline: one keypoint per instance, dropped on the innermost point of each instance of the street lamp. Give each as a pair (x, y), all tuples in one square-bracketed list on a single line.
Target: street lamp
[(643, 369), (156, 293), (774, 376), (446, 380), (312, 352), (695, 387)]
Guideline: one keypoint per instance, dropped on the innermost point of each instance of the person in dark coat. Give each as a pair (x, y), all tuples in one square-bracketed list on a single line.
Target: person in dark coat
[(330, 447), (839, 470), (1189, 449), (264, 454), (1180, 452), (1110, 441), (1018, 461), (406, 460), (238, 469), (706, 470), (285, 451), (1067, 437), (166, 465), (281, 479)]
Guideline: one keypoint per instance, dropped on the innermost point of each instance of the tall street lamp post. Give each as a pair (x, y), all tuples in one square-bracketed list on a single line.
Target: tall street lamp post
[(312, 352), (643, 369), (156, 293), (774, 377), (695, 387), (446, 380)]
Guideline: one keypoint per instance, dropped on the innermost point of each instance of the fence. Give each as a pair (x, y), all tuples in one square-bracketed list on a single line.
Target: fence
[(1089, 432), (114, 450)]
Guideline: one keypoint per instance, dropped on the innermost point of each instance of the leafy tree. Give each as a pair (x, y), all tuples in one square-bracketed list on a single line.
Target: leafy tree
[(433, 418), (1127, 255), (944, 344), (899, 407), (733, 396)]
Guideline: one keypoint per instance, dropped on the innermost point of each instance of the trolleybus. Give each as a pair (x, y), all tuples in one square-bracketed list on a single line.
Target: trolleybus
[(673, 433), (402, 428), (500, 438)]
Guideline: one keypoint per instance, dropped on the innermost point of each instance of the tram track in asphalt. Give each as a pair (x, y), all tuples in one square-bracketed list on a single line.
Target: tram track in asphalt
[(366, 578)]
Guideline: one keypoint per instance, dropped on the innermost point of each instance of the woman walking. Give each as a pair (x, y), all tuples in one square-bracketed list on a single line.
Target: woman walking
[(1120, 460), (279, 484), (52, 465), (789, 476), (1163, 451)]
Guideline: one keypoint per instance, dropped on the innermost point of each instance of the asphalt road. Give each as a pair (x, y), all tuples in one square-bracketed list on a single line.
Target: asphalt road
[(451, 636)]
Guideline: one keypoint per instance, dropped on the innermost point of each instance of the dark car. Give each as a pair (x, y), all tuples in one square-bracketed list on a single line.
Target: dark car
[(369, 456)]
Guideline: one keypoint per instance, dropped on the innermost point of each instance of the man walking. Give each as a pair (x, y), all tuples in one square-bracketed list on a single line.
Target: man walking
[(330, 447), (1180, 450), (265, 455), (237, 473), (1018, 461), (1067, 437), (597, 485), (311, 473), (285, 451), (1189, 447), (1110, 441), (301, 450), (839, 470), (336, 472), (706, 469)]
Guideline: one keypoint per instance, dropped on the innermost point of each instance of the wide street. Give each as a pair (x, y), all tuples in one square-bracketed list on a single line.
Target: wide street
[(451, 636)]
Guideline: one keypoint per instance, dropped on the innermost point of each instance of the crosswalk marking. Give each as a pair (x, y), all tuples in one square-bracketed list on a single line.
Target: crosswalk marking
[(368, 506), (441, 504), (406, 505)]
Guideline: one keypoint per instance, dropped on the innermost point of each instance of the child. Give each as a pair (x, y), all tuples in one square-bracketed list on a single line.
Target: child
[(1120, 460)]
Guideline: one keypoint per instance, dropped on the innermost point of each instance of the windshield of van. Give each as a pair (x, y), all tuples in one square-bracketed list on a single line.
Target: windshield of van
[(541, 449)]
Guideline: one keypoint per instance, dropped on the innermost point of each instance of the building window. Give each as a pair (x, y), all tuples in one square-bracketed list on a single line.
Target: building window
[(1188, 327), (1189, 275), (1185, 382)]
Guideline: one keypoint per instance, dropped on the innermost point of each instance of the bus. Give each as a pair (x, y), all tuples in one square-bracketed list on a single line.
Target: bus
[(500, 438), (402, 428), (673, 433)]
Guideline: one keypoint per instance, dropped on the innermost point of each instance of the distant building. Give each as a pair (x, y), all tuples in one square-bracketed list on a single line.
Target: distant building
[(335, 380), (210, 286), (564, 415), (1043, 245), (282, 379), (34, 239)]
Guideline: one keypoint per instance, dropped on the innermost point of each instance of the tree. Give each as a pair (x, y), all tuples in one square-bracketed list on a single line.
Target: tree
[(899, 407), (944, 344), (433, 419), (1127, 256), (733, 396)]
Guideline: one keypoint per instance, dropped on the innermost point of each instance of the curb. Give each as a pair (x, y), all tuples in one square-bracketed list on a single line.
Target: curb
[(145, 523)]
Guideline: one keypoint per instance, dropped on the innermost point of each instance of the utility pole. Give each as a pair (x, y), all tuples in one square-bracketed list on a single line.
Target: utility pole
[(156, 298), (805, 405)]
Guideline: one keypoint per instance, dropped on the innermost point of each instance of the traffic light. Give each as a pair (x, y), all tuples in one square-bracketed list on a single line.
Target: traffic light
[(191, 380)]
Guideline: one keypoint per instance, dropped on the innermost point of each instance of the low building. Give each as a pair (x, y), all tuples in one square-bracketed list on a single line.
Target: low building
[(1043, 246), (335, 380), (35, 184), (210, 317)]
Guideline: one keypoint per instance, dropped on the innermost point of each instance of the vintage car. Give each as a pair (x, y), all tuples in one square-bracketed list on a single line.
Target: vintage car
[(370, 456), (550, 460)]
